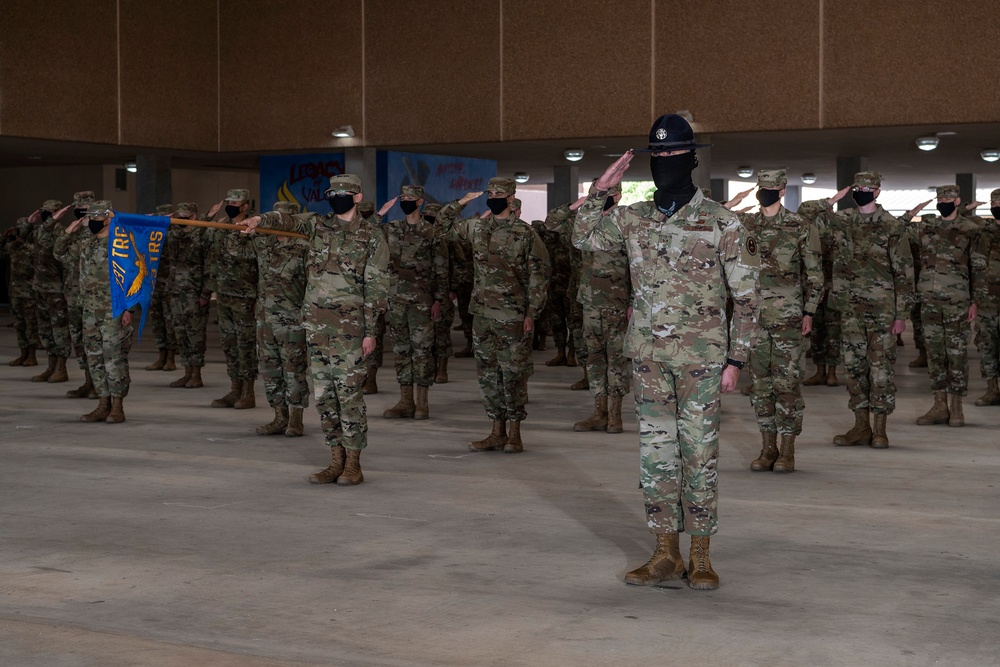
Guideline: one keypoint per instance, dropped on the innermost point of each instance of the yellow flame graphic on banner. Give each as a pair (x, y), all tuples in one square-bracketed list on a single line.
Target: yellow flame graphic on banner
[(140, 263)]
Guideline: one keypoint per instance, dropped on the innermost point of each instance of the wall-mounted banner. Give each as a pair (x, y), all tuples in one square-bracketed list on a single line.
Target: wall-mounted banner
[(445, 178), (298, 178)]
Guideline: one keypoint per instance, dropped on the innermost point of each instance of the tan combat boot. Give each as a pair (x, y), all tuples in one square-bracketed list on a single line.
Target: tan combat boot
[(117, 414), (84, 390), (921, 360), (581, 384), (955, 415), (571, 354), (701, 576), (19, 361), (860, 434), (879, 439), (831, 377), (160, 361), (559, 359), (371, 382), (59, 374), (786, 462), (992, 395), (277, 425), (227, 401), (467, 351), (442, 371), (938, 414), (247, 398), (352, 475), (47, 373), (194, 382), (768, 453), (615, 415), (513, 444), (597, 421), (330, 474), (170, 364), (101, 412), (405, 408), (30, 360), (182, 381), (495, 440), (295, 428), (665, 564), (420, 408), (817, 379)]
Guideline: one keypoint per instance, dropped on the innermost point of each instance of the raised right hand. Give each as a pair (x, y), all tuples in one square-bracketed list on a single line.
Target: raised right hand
[(613, 175)]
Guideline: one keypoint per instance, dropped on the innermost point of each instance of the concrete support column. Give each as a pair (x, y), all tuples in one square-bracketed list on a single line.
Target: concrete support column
[(720, 189), (702, 176), (152, 182), (564, 186), (360, 161), (847, 167), (793, 197), (967, 187)]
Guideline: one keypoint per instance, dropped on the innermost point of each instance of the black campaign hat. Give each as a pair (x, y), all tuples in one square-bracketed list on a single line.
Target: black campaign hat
[(670, 132)]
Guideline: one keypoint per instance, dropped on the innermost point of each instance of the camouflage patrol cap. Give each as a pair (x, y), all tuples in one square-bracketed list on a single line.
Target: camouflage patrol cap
[(995, 195), (187, 207), (707, 193), (83, 197), (948, 191), (772, 179), (515, 204), (366, 208), (867, 179), (289, 207), (52, 205), (415, 191), (99, 208), (506, 186), (348, 182), (238, 195), (432, 209), (164, 209)]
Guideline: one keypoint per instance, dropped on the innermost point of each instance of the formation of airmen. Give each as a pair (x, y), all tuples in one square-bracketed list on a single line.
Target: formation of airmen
[(670, 298)]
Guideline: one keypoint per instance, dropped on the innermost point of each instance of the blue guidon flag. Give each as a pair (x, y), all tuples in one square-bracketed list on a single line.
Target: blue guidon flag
[(135, 245)]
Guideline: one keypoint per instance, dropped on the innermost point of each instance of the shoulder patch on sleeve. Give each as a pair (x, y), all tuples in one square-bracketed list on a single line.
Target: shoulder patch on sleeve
[(751, 244)]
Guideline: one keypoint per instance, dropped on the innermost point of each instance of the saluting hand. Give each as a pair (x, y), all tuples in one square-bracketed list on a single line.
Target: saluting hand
[(215, 209), (918, 208), (840, 195), (469, 196), (578, 203), (740, 196), (75, 225), (386, 206), (613, 175)]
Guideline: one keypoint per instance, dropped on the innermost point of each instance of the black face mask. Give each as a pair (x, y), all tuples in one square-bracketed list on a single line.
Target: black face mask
[(946, 208), (79, 212), (672, 175), (45, 214), (341, 204), (497, 204), (995, 210), (863, 198), (768, 197), (232, 211), (609, 203), (408, 207), (95, 226)]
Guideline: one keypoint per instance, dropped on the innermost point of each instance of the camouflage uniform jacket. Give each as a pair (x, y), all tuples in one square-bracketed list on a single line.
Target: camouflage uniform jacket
[(569, 259), (188, 255), (681, 267), (95, 289), (48, 269), (347, 281), (946, 260), (986, 281), (791, 276), (418, 263), (510, 264), (67, 250), (20, 250), (559, 259), (460, 256), (281, 266), (823, 219), (605, 283), (872, 264), (233, 263)]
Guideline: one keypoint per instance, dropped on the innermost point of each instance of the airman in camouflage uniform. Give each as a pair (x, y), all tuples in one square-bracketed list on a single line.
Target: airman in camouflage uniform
[(791, 281), (460, 257), (987, 299), (50, 295), (947, 272), (234, 280), (684, 253), (508, 293), (18, 246), (374, 360), (281, 340), (558, 306), (443, 348), (560, 220), (346, 289), (826, 336), (873, 291), (164, 335), (188, 292)]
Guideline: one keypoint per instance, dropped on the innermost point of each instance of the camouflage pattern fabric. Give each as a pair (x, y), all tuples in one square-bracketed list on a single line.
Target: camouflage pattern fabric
[(442, 330), (947, 330), (914, 236), (347, 287), (67, 250), (238, 335), (681, 268), (233, 263), (869, 350), (987, 298), (187, 289), (503, 360), (20, 251), (107, 342), (988, 344), (826, 333), (52, 308)]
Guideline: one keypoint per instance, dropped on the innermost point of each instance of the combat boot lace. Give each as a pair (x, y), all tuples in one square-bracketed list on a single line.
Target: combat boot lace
[(352, 475), (160, 361), (295, 428), (277, 425), (101, 412), (513, 444), (247, 398), (992, 395), (665, 564), (495, 440), (227, 401), (597, 421), (768, 453), (330, 474), (938, 414), (615, 415), (701, 576), (47, 373), (956, 417), (786, 462), (405, 408), (860, 434)]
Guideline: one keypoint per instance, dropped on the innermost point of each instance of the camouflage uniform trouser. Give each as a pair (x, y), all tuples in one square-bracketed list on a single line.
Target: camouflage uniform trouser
[(869, 349), (503, 364), (163, 326), (442, 330), (338, 377), (608, 370), (947, 330), (919, 333), (107, 343), (22, 309), (557, 310), (678, 411), (374, 360), (575, 323), (412, 332), (53, 324), (776, 371), (284, 360), (826, 336), (238, 330), (74, 309), (190, 319), (988, 343)]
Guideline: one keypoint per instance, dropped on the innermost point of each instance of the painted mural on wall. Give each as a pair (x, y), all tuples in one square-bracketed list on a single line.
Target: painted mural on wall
[(443, 177), (298, 178)]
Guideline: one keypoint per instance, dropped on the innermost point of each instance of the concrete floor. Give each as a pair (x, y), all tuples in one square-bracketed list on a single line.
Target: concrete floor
[(182, 538)]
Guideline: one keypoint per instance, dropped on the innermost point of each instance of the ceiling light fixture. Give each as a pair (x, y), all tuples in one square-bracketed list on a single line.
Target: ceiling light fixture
[(521, 177), (131, 167), (928, 143), (744, 172), (573, 154), (990, 154), (344, 132), (808, 179)]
